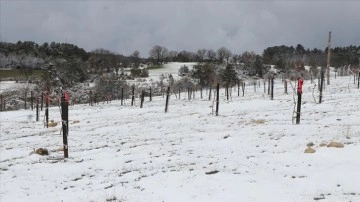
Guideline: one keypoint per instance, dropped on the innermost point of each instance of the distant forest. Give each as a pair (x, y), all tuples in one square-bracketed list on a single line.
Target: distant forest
[(30, 55)]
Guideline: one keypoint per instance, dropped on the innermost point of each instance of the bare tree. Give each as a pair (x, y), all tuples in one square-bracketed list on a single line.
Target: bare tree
[(158, 53), (224, 53), (172, 55), (211, 55), (135, 56), (201, 54)]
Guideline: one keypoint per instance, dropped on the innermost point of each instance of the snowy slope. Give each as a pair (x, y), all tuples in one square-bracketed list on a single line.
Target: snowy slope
[(170, 68), (132, 154)]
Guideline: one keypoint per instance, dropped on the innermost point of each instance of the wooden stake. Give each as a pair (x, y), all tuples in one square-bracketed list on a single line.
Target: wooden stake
[(150, 95), (167, 99), (217, 99), (227, 92), (321, 85), (243, 88), (328, 60), (122, 96), (133, 96), (47, 110), (272, 88), (142, 98), (209, 92), (65, 124), (31, 100), (37, 109), (25, 99)]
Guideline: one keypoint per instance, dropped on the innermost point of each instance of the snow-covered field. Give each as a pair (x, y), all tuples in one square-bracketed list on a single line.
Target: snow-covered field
[(170, 68), (250, 152)]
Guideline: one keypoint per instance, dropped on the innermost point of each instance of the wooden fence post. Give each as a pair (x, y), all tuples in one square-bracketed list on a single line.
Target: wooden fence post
[(90, 99), (272, 88), (47, 99), (299, 92), (25, 98), (217, 99), (1, 103), (65, 123), (42, 100), (142, 98), (31, 100), (133, 96), (167, 99), (122, 96), (37, 108), (243, 88), (321, 85), (227, 92), (210, 92), (150, 95)]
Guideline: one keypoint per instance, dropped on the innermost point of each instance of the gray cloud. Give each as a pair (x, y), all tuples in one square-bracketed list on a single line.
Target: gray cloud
[(125, 26)]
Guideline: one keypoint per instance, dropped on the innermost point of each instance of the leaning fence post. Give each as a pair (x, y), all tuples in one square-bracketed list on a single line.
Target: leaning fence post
[(167, 99), (65, 123), (321, 85), (217, 99)]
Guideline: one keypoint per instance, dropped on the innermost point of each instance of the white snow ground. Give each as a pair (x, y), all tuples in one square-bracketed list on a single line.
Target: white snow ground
[(170, 68), (132, 154)]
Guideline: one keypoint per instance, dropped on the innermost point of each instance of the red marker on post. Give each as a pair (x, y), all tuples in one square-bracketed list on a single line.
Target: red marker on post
[(67, 96), (300, 85)]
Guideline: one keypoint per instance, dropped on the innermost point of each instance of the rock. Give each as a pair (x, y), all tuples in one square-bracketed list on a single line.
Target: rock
[(309, 150), (335, 144), (42, 151)]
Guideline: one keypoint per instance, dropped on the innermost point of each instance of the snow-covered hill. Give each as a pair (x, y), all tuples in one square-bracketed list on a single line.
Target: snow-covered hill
[(250, 152)]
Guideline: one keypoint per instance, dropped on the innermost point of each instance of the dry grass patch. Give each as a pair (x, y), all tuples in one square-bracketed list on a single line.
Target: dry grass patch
[(258, 121), (309, 150), (52, 123), (75, 122), (335, 144)]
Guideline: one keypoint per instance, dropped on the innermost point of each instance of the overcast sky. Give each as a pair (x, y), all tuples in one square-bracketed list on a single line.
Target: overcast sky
[(125, 26)]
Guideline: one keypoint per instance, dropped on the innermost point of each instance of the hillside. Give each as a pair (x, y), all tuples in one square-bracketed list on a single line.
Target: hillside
[(250, 152)]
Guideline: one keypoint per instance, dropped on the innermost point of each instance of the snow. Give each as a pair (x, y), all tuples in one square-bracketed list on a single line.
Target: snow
[(13, 86), (130, 153)]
